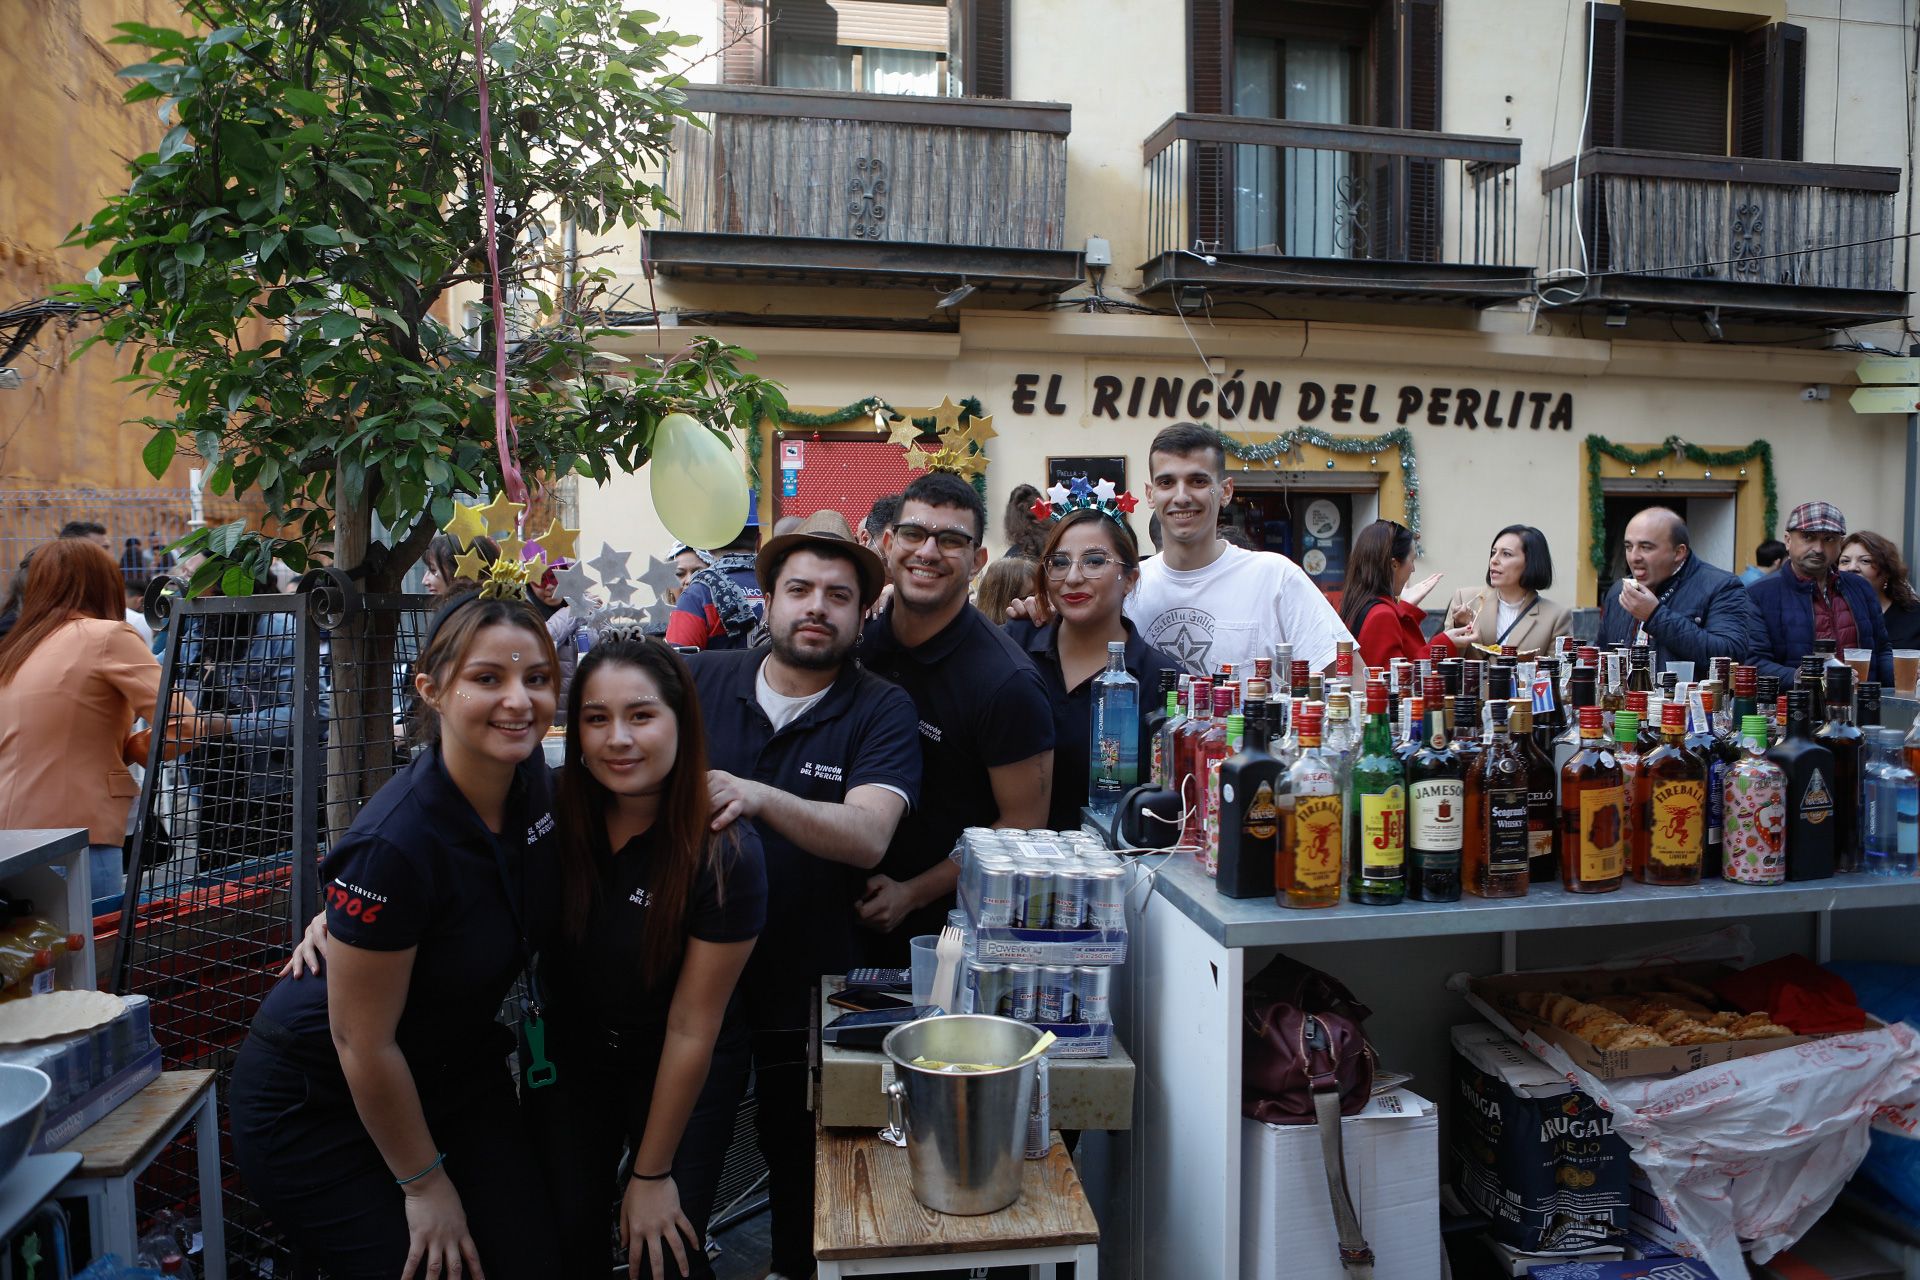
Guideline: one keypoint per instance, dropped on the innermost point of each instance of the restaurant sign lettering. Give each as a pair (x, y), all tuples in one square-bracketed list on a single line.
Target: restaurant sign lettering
[(1238, 398)]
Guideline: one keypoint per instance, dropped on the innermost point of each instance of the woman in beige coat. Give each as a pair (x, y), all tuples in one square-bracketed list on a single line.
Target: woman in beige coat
[(1510, 609)]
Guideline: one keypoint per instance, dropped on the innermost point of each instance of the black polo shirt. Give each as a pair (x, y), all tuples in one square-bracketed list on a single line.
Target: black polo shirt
[(420, 869), (981, 705), (861, 733), (1073, 710)]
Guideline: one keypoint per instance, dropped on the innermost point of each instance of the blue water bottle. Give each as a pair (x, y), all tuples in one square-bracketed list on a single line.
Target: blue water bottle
[(1891, 829), (1114, 766)]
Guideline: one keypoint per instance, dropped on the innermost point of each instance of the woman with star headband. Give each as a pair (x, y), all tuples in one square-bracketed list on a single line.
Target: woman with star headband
[(659, 916), (373, 1114), (1088, 564)]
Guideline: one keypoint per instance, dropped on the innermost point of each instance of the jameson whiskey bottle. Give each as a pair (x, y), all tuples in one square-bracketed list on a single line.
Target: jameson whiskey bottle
[(1252, 784), (1543, 796), (1756, 811), (1497, 852), (1669, 847), (1307, 873), (1377, 813), (1842, 737), (1810, 794), (1436, 804), (1592, 812)]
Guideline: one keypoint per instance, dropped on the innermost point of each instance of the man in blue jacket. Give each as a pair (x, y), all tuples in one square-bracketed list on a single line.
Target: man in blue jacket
[(1811, 600), (1683, 607)]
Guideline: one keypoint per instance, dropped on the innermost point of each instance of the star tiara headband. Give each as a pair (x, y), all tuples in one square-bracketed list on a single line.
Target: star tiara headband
[(521, 562), (1079, 495)]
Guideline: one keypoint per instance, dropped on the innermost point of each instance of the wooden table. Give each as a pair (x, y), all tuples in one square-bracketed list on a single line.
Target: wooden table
[(866, 1221), (118, 1149)]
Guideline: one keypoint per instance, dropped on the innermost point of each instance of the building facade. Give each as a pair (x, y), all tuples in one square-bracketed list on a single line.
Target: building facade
[(1431, 246)]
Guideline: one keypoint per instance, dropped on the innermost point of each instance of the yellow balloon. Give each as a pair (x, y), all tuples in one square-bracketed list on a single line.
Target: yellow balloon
[(698, 486)]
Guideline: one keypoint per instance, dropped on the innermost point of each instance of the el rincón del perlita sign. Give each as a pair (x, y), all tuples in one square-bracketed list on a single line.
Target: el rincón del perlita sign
[(1893, 385), (1238, 398)]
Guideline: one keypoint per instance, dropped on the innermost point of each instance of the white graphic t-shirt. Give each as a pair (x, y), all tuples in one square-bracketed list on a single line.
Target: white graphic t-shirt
[(1234, 610)]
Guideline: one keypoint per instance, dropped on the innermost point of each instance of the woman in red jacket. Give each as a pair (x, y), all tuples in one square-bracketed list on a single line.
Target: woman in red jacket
[(1377, 606)]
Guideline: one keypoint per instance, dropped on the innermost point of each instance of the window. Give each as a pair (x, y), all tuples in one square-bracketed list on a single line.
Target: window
[(1708, 92), (1675, 89), (918, 47)]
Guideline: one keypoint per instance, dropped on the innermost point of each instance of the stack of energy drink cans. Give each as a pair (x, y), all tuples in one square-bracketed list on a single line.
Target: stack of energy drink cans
[(1047, 923)]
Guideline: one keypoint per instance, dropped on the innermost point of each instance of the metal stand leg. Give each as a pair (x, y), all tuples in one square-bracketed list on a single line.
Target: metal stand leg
[(115, 1229), (1086, 1262), (213, 1227)]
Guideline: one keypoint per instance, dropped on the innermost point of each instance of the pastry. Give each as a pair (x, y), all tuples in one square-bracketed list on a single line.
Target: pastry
[(1692, 1032), (1629, 1036), (1761, 1030)]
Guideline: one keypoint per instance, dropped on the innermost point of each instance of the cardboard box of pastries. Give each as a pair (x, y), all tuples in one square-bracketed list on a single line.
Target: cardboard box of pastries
[(1659, 1021)]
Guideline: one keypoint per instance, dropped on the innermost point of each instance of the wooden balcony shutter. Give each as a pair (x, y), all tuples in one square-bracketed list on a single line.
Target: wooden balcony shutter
[(1770, 92), (743, 36), (1209, 91), (1420, 31), (1606, 90), (986, 64)]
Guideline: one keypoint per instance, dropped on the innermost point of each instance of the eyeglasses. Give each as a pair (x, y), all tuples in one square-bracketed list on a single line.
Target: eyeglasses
[(1092, 565), (950, 541)]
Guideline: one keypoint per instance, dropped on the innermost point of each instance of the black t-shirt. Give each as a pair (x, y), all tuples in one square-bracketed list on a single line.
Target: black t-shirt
[(597, 982), (981, 705), (1073, 710), (863, 732), (420, 869)]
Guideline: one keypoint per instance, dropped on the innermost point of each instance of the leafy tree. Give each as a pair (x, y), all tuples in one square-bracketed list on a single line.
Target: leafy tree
[(282, 262), (281, 265)]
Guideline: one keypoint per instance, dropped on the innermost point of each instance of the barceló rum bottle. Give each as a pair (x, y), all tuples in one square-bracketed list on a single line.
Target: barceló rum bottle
[(1592, 812), (1436, 807)]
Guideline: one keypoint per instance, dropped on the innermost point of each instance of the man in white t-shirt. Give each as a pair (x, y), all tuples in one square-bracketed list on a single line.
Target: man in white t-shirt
[(1205, 601)]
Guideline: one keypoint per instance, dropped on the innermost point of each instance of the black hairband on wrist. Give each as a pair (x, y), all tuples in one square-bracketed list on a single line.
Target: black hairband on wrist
[(638, 1176)]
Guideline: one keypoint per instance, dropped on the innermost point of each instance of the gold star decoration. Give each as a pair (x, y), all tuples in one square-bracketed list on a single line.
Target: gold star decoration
[(903, 433), (470, 565), (946, 416), (559, 543), (916, 458), (982, 429), (948, 459), (959, 440), (511, 545), (467, 524), (502, 516)]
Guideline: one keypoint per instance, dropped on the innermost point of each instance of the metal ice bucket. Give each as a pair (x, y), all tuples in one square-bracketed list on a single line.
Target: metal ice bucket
[(966, 1130)]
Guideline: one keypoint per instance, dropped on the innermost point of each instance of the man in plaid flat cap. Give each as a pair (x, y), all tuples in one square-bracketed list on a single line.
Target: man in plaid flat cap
[(1812, 600)]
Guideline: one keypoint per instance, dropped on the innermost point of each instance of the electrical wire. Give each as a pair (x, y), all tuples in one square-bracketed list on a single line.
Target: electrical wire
[(1585, 272)]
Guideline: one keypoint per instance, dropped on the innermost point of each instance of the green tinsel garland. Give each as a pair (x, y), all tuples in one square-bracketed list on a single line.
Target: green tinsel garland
[(1400, 438), (1759, 450), (969, 408)]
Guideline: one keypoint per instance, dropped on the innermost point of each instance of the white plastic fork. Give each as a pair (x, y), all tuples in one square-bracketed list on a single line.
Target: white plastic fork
[(947, 971)]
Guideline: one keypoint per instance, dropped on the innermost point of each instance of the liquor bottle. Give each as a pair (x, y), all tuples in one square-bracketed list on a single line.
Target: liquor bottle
[(1436, 802), (1340, 741), (1746, 698), (1252, 782), (1720, 671), (1613, 692), (1260, 683), (1410, 740), (1377, 813), (1583, 690), (1298, 678), (1640, 669), (1113, 767), (1812, 677), (1911, 745), (1549, 708), (1767, 702), (1718, 751), (1671, 844), (1626, 753), (1592, 812), (1668, 684), (1756, 811), (1810, 794), (1543, 819), (1891, 820), (1646, 735), (1153, 732), (1866, 705), (1307, 873), (1495, 860), (1842, 737), (1188, 773), (1463, 727), (1343, 660), (1213, 752)]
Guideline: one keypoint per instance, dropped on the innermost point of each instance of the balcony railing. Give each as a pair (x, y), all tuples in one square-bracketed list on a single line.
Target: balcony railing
[(1762, 239), (1265, 195), (809, 182)]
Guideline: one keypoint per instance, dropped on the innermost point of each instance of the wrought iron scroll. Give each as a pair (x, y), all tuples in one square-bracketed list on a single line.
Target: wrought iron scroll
[(868, 207)]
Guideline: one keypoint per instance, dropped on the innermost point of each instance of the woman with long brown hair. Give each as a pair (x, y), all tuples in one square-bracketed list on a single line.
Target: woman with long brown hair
[(374, 1116), (1878, 561), (659, 915), (1375, 604), (73, 679)]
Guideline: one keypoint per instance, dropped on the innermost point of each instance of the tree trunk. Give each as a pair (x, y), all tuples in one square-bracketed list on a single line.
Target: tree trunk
[(360, 731)]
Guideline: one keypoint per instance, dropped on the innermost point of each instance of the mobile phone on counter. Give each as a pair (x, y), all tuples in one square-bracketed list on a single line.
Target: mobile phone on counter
[(867, 1029), (866, 1000), (880, 978)]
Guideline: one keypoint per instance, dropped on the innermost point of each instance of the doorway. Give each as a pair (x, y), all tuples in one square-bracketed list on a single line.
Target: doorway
[(1311, 523), (1706, 505)]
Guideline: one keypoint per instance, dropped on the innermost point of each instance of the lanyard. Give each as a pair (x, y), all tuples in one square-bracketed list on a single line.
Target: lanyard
[(539, 1072), (1517, 618)]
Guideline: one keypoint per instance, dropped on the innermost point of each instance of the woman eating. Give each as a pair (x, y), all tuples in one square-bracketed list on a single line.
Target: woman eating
[(1376, 605), (1510, 610), (1878, 561), (374, 1117), (1087, 566), (659, 915)]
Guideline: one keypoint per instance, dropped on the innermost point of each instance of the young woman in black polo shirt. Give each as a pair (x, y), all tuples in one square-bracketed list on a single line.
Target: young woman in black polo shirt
[(1088, 565), (373, 1112), (659, 916)]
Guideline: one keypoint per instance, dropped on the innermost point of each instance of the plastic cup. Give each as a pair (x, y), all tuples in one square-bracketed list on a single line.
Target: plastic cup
[(1906, 669), (1861, 660), (926, 962), (1682, 669)]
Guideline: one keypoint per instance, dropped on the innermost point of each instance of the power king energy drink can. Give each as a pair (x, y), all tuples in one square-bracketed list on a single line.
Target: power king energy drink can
[(988, 983), (1058, 1000), (1033, 896), (995, 879), (1022, 1001), (1106, 898), (1094, 994), (1070, 885)]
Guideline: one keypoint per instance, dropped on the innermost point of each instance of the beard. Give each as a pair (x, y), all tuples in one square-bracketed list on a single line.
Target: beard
[(820, 659)]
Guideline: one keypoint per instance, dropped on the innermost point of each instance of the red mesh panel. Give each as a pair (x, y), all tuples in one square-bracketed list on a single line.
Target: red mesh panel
[(844, 475)]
